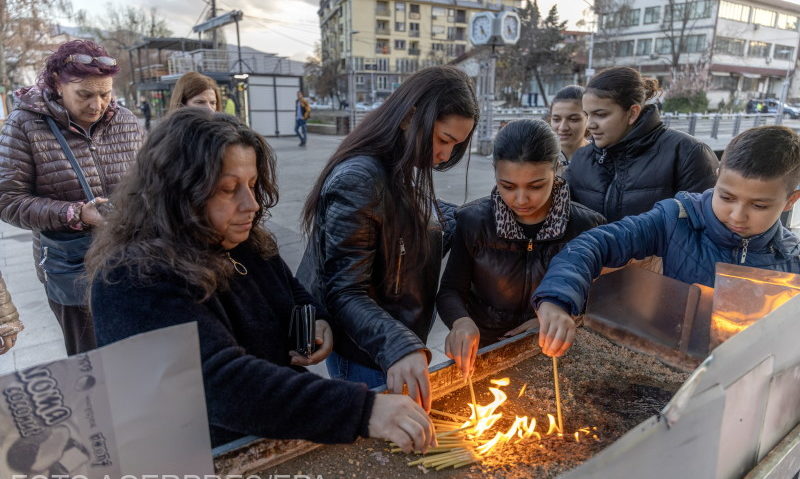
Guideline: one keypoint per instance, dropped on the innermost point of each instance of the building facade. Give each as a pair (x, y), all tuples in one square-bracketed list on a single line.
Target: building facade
[(380, 42), (749, 48)]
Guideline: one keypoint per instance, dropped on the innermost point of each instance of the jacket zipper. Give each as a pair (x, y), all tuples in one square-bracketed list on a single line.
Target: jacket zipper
[(602, 157), (42, 261), (745, 242), (525, 293), (98, 167), (399, 265)]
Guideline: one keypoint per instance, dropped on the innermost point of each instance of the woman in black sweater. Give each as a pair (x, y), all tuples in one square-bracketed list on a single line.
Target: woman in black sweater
[(504, 242), (186, 244)]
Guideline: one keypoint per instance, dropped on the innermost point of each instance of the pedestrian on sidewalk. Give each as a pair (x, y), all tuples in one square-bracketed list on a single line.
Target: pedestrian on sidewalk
[(144, 107), (377, 234), (302, 114), (196, 89), (41, 190), (10, 325), (201, 254)]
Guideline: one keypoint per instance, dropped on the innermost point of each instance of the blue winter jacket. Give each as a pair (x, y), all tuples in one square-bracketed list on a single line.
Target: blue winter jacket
[(689, 238)]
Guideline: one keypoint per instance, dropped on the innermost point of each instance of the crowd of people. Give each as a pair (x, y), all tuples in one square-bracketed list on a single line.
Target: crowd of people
[(144, 233)]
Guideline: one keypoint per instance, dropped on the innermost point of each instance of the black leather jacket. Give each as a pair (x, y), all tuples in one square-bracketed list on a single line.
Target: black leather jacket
[(650, 164), (493, 268), (375, 322)]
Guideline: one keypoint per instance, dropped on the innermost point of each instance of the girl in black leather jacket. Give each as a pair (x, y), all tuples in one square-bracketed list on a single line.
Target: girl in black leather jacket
[(504, 242), (377, 235)]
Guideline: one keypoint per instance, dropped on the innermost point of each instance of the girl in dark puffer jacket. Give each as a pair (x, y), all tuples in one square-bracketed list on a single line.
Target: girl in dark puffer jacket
[(634, 161), (504, 242)]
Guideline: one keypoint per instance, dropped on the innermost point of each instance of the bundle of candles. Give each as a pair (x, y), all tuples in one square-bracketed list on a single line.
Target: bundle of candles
[(460, 438)]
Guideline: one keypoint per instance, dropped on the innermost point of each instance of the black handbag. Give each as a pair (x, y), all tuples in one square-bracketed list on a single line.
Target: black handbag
[(63, 253)]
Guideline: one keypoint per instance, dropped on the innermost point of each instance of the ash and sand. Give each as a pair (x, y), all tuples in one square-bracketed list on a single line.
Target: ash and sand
[(602, 385)]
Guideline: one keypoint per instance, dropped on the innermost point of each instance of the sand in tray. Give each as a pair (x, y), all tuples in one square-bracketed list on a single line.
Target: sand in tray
[(602, 385)]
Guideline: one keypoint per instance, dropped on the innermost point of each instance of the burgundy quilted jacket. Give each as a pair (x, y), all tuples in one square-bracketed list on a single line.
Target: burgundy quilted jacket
[(37, 182)]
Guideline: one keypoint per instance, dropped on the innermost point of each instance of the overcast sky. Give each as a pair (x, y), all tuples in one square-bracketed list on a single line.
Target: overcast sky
[(285, 27)]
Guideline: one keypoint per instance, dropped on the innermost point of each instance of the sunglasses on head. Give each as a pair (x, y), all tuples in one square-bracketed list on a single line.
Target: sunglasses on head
[(88, 59)]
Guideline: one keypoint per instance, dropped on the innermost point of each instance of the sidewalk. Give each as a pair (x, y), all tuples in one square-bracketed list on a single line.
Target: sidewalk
[(297, 170)]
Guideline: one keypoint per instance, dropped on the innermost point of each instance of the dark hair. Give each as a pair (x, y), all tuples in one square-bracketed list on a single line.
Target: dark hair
[(624, 85), (526, 141), (189, 86), (399, 134), (160, 220), (568, 93), (765, 153), (58, 70)]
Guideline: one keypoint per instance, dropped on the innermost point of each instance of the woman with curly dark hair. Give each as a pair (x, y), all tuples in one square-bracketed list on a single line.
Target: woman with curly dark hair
[(186, 243), (41, 190)]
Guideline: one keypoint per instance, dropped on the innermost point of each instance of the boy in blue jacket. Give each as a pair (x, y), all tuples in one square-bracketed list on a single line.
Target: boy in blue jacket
[(735, 222)]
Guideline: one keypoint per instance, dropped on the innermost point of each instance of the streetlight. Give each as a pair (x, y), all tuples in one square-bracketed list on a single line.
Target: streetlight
[(589, 70), (351, 83)]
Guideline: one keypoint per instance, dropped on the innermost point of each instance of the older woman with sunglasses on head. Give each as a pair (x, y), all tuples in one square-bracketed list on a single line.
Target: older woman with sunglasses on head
[(40, 189)]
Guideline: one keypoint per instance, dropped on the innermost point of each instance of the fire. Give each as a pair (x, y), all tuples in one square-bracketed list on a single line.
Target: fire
[(483, 418)]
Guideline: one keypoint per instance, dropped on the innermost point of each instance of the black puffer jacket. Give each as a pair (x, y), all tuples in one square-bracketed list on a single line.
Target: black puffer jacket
[(344, 266), (493, 268), (650, 164)]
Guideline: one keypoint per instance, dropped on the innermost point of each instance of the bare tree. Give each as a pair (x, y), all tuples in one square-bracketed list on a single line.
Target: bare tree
[(117, 30), (613, 17), (677, 24), (323, 77), (26, 36)]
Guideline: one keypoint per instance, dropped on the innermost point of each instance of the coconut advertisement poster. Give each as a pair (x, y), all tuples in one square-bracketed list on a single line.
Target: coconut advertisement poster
[(135, 407)]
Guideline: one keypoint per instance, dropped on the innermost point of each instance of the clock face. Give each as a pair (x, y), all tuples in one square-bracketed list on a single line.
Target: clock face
[(481, 29), (510, 28)]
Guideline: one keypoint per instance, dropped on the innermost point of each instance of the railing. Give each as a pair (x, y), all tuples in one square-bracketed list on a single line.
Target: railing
[(382, 31), (413, 33), (226, 61), (413, 51), (382, 12)]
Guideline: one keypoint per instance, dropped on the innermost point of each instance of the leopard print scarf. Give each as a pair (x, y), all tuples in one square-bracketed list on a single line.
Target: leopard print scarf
[(555, 223)]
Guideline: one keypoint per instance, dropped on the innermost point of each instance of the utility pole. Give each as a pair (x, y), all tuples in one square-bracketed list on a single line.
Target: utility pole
[(214, 31)]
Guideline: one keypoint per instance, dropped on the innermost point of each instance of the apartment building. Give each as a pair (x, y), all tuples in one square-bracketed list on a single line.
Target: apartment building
[(380, 42), (750, 47)]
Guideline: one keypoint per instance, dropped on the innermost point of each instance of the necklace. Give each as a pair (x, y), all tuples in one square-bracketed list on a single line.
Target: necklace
[(239, 267)]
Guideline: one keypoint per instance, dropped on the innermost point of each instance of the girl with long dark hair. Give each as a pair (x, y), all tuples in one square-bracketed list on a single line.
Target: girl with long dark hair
[(503, 242), (186, 243), (375, 230), (635, 160), (569, 121)]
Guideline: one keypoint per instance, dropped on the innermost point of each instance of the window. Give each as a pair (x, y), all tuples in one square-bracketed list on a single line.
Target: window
[(413, 29), (382, 27), (407, 65), (400, 6), (734, 11), (784, 52), (413, 48), (681, 12), (438, 12), (625, 48), (652, 15), (663, 46), (382, 8), (749, 84), (726, 82), (382, 46), (787, 22), (759, 49), (764, 17), (456, 33), (437, 47), (729, 46), (695, 43), (461, 16), (413, 11), (644, 46), (382, 82), (437, 30), (359, 79), (382, 65), (623, 18), (400, 26), (399, 44)]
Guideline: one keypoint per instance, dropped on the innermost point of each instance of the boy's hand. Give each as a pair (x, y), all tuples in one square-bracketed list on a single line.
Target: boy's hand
[(461, 344), (398, 419), (556, 329)]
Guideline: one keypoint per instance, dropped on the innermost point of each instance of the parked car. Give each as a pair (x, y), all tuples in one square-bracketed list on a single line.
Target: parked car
[(771, 105)]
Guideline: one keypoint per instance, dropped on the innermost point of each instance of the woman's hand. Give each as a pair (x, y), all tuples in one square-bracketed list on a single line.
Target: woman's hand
[(7, 342), (324, 341), (411, 371), (461, 344), (89, 213), (396, 418), (556, 331), (527, 325)]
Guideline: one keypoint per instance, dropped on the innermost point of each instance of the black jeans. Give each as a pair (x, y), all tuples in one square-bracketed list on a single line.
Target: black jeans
[(77, 326)]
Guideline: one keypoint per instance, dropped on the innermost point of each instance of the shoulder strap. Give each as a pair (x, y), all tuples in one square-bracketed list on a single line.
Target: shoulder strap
[(70, 156), (681, 209)]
